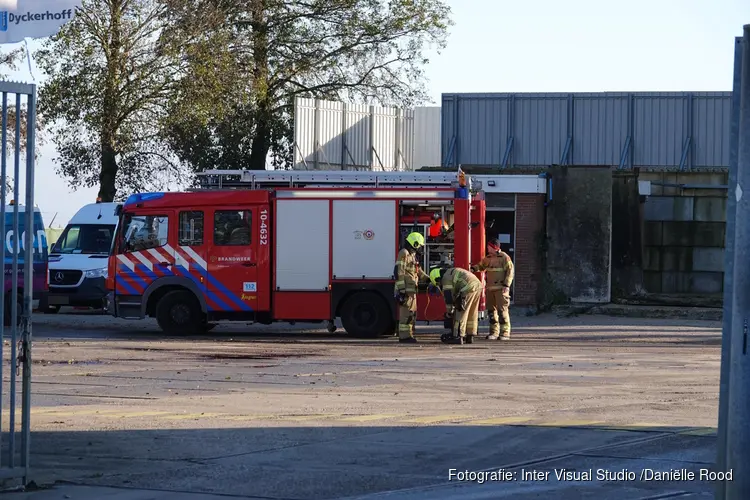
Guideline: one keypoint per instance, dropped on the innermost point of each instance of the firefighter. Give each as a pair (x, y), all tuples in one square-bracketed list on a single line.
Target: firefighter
[(408, 275), (462, 292), (438, 226), (500, 274)]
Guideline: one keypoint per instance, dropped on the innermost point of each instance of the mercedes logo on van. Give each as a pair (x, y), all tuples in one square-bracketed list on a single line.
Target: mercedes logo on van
[(58, 276)]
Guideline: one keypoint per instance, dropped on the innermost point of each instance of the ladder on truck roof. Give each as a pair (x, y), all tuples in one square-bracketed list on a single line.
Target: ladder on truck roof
[(260, 179)]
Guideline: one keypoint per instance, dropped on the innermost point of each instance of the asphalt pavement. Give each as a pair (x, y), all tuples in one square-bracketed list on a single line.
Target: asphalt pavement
[(292, 412)]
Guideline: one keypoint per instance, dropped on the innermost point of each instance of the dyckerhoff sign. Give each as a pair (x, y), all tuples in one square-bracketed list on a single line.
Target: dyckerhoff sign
[(21, 19), (7, 18)]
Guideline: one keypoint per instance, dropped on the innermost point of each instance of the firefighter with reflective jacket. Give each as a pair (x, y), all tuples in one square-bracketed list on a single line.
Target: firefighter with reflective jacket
[(500, 274), (462, 292), (408, 275)]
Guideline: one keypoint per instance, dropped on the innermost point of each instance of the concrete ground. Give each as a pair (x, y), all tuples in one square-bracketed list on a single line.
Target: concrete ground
[(287, 412)]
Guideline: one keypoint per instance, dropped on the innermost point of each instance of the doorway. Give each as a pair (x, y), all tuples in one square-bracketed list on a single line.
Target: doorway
[(501, 224)]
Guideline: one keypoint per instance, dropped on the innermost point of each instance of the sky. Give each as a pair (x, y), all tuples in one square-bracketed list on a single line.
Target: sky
[(537, 46)]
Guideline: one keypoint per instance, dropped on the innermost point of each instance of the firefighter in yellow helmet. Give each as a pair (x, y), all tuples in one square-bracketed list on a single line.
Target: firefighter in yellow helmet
[(461, 292), (408, 274), (500, 273)]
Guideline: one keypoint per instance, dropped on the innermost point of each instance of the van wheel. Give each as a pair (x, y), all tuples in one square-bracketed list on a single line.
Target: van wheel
[(366, 315), (7, 313), (179, 313)]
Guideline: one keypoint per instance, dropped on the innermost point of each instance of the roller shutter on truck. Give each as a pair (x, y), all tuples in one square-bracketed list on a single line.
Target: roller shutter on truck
[(364, 239), (302, 245)]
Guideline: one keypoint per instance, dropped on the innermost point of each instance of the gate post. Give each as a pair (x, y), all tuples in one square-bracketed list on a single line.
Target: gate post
[(18, 291)]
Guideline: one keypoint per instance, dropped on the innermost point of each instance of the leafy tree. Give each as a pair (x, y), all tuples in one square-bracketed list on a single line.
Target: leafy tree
[(354, 50), (111, 71)]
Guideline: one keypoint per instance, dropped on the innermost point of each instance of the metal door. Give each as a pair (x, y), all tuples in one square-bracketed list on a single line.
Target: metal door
[(18, 100)]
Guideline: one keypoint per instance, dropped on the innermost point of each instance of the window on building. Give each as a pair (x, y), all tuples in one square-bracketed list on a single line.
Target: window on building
[(232, 227), (191, 229), (142, 232)]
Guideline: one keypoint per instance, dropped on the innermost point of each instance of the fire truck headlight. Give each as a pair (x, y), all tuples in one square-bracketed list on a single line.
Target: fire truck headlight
[(96, 273)]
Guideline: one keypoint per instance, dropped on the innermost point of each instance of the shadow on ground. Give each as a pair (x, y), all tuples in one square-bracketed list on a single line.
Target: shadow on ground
[(317, 462), (539, 329)]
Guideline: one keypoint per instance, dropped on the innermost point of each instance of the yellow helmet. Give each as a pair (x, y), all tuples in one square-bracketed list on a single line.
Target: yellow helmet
[(435, 275), (416, 240)]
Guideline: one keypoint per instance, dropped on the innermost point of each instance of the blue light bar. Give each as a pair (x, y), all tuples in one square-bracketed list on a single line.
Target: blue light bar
[(141, 197)]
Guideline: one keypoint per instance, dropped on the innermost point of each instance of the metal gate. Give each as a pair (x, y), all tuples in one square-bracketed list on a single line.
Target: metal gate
[(18, 105)]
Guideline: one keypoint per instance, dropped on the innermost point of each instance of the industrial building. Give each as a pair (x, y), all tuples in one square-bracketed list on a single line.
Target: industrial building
[(681, 130), (672, 148)]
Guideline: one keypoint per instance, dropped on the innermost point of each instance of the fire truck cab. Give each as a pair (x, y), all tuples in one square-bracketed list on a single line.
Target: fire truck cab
[(287, 246)]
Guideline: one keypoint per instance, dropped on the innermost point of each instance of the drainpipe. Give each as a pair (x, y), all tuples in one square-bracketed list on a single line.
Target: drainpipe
[(544, 233)]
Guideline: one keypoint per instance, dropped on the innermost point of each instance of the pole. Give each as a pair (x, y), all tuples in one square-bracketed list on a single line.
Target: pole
[(738, 409), (14, 287), (28, 284), (726, 337)]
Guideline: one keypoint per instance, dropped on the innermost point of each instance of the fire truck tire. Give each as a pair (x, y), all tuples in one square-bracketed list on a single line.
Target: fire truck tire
[(366, 315), (179, 313)]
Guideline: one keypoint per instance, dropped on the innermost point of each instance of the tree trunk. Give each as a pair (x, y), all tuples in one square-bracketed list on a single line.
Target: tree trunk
[(111, 108), (263, 116), (108, 173), (261, 143)]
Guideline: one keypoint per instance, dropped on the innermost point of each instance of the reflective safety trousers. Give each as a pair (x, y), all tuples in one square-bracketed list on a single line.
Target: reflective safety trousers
[(499, 268)]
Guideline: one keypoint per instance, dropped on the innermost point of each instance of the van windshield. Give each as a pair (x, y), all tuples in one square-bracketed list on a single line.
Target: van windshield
[(89, 239)]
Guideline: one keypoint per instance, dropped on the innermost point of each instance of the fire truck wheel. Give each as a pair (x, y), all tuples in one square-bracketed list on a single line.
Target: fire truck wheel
[(179, 312), (366, 314)]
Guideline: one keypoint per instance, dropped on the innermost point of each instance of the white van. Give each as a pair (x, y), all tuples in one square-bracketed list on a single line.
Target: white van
[(78, 259)]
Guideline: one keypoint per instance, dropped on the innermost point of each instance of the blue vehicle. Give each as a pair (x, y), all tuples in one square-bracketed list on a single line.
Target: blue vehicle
[(41, 259)]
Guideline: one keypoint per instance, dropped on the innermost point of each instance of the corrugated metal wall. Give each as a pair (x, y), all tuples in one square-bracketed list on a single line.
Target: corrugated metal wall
[(426, 137), (654, 129), (331, 135)]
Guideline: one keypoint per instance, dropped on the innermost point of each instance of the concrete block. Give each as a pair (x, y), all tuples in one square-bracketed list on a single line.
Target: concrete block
[(693, 234), (580, 225), (711, 209), (659, 208), (707, 282), (652, 258), (700, 178), (705, 193), (650, 176), (692, 282), (652, 281), (669, 283), (708, 259), (677, 259), (668, 208), (683, 208), (652, 233)]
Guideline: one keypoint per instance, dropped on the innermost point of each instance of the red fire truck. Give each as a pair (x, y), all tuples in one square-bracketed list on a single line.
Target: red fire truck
[(287, 246)]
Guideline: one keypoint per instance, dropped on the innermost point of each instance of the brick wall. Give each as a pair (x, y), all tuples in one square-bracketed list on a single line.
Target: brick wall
[(529, 222)]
